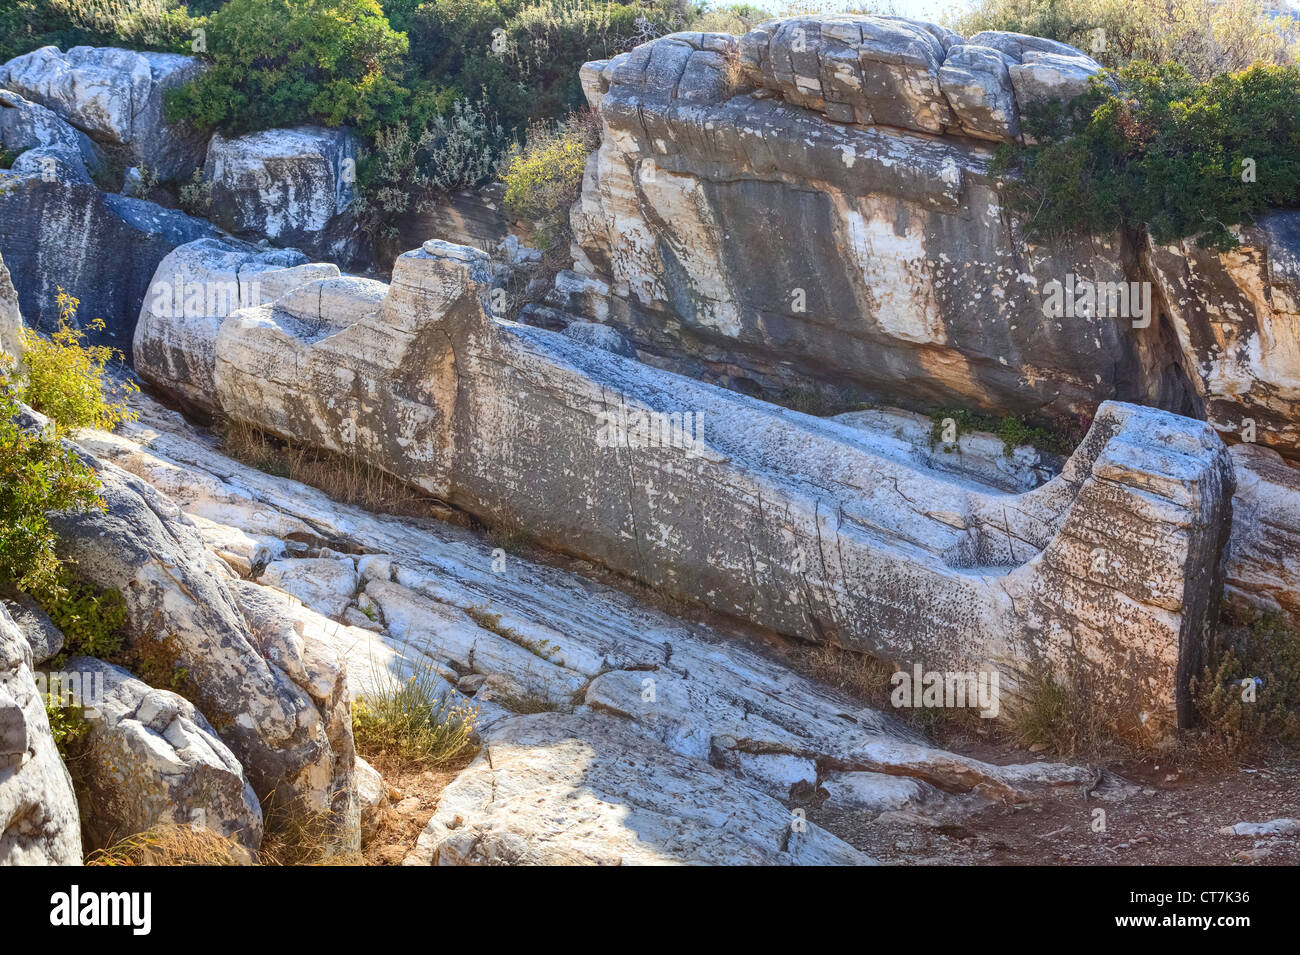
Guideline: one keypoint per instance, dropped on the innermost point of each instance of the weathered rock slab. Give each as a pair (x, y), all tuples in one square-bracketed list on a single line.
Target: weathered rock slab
[(151, 758), (39, 822), (552, 789)]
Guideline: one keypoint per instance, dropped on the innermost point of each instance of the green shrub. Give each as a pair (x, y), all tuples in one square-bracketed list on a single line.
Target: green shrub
[(63, 378), (93, 619), (1261, 650), (545, 178), (195, 195), (68, 723), (410, 166), (37, 475), (1207, 37), (134, 24), (1013, 431), (1168, 154), (286, 62)]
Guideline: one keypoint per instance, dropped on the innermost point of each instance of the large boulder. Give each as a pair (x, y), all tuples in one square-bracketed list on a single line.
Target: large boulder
[(1263, 565), (193, 290), (44, 638), (306, 645), (39, 823), (1236, 319), (57, 230), (150, 758), (836, 230), (180, 608), (978, 86), (25, 125), (293, 186), (1040, 69), (856, 69), (117, 98)]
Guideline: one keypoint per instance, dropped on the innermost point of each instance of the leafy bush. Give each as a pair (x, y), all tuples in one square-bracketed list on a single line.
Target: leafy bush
[(195, 195), (1177, 157), (285, 62), (1013, 431), (64, 378), (37, 475), (463, 147), (545, 178), (92, 619), (1248, 694), (409, 166), (134, 24), (68, 723), (1207, 37)]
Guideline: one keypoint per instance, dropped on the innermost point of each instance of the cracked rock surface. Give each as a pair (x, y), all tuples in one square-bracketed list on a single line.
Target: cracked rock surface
[(636, 703)]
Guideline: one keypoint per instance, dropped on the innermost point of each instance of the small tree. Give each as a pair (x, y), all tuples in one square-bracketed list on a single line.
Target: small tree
[(545, 178)]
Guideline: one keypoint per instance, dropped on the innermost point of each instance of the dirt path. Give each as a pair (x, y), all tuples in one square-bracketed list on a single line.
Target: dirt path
[(1166, 815)]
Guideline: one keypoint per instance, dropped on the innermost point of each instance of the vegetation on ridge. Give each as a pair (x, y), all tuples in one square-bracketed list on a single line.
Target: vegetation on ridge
[(1164, 153)]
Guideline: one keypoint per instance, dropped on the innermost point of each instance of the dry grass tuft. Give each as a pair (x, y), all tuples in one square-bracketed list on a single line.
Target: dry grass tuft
[(867, 679), (407, 722), (1064, 716), (172, 844), (860, 675), (345, 479), (297, 835)]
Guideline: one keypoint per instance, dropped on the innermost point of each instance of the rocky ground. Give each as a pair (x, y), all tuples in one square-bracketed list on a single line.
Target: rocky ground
[(1155, 814), (615, 724), (615, 733)]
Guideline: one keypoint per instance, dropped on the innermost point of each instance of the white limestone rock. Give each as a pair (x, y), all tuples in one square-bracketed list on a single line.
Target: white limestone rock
[(978, 86), (876, 792), (294, 186), (39, 821), (26, 125), (372, 794), (193, 289), (116, 97), (552, 789), (1262, 566), (151, 758), (172, 586), (325, 584)]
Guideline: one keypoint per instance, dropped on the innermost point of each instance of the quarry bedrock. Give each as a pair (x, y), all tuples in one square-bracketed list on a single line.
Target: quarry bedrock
[(809, 208), (816, 530)]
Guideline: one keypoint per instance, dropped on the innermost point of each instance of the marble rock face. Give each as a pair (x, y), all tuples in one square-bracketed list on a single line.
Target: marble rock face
[(804, 525), (808, 208), (116, 97)]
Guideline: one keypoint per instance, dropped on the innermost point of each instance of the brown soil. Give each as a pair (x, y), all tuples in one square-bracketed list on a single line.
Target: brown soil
[(413, 797), (1156, 813)]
